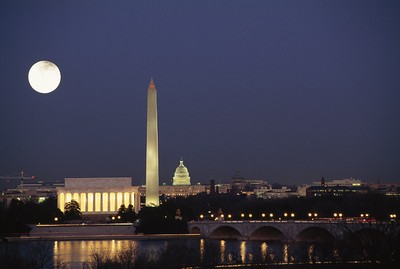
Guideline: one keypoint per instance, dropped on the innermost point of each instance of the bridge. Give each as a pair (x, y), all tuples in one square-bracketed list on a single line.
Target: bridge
[(281, 230)]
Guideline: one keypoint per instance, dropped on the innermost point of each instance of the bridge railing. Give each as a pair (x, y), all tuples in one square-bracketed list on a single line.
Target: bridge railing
[(271, 221)]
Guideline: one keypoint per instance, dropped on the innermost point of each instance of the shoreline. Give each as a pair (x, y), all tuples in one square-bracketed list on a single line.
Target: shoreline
[(101, 237)]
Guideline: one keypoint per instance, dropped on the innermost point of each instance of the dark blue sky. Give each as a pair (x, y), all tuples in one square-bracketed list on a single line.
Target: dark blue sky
[(287, 91)]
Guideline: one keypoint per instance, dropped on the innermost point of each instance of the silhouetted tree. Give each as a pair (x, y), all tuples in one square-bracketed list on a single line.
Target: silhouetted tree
[(130, 213), (72, 211)]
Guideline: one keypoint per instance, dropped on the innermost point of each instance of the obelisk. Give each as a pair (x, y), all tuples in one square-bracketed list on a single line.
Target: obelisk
[(152, 196)]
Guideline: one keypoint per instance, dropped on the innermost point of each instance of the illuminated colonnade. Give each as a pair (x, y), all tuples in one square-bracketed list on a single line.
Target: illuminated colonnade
[(99, 200), (99, 195)]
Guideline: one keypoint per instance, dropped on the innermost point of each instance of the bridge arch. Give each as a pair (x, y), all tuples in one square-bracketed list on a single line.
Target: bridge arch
[(314, 234), (267, 233), (195, 230), (225, 232)]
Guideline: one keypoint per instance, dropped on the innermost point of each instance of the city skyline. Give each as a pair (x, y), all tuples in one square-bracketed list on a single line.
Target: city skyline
[(283, 91)]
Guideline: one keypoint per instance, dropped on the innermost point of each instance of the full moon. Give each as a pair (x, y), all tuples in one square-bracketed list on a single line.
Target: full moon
[(44, 76)]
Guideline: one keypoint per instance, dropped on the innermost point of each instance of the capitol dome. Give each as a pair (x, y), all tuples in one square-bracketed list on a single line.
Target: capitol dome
[(181, 176)]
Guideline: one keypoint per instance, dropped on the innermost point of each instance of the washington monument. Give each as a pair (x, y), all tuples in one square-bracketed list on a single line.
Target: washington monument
[(152, 196)]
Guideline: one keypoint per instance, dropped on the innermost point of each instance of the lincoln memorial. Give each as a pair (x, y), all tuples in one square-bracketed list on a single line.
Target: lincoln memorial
[(99, 195)]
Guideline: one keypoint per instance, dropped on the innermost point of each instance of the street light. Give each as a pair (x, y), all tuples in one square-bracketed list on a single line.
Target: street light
[(337, 215), (271, 215), (263, 215), (250, 215), (312, 215), (285, 214), (242, 215)]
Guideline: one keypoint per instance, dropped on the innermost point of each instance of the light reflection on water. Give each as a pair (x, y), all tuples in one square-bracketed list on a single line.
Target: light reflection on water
[(222, 250), (264, 249), (243, 251), (201, 250), (78, 254), (285, 253)]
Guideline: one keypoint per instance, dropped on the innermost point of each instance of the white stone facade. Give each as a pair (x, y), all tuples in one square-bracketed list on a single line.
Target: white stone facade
[(99, 195)]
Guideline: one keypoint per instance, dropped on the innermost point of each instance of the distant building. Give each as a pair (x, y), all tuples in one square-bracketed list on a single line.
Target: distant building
[(268, 192), (32, 191), (317, 191), (349, 182), (239, 184), (388, 189), (182, 190), (337, 187)]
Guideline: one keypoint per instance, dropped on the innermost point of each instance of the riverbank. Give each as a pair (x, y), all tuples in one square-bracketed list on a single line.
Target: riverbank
[(65, 232), (103, 237)]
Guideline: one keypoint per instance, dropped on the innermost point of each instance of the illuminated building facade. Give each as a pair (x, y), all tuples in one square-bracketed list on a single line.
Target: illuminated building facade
[(99, 195), (152, 185), (31, 191), (181, 175)]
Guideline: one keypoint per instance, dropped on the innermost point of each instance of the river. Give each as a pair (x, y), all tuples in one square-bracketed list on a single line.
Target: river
[(80, 253)]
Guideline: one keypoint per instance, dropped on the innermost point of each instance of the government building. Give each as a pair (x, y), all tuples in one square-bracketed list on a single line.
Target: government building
[(104, 195), (99, 196)]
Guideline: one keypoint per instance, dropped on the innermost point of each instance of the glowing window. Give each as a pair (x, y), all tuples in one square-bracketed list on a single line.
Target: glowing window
[(105, 201), (61, 201), (90, 202), (119, 199), (68, 198), (97, 202), (83, 203), (76, 197), (126, 199), (112, 201)]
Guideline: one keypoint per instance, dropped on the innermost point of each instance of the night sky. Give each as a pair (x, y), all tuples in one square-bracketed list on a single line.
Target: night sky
[(286, 91)]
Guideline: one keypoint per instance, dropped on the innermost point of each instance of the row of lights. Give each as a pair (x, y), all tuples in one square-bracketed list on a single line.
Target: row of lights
[(292, 215), (118, 217), (337, 215), (229, 216)]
